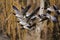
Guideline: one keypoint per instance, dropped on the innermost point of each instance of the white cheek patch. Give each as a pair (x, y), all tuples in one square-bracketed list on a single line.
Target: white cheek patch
[(24, 16), (33, 17), (22, 23), (40, 19), (17, 15), (25, 27), (27, 14), (50, 9), (59, 11)]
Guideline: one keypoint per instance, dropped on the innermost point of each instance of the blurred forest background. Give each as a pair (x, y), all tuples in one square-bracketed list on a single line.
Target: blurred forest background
[(10, 29)]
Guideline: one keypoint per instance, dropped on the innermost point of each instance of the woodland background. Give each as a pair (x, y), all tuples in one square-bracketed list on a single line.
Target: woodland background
[(12, 28)]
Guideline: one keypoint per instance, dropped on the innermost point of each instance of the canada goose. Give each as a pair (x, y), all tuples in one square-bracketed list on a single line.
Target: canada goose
[(20, 17), (56, 10), (33, 13), (47, 16), (17, 12)]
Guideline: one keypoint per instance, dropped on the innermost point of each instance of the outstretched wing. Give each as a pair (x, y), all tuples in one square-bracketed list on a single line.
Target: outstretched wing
[(33, 13), (55, 7), (53, 18), (47, 16), (56, 10), (24, 10), (17, 12)]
